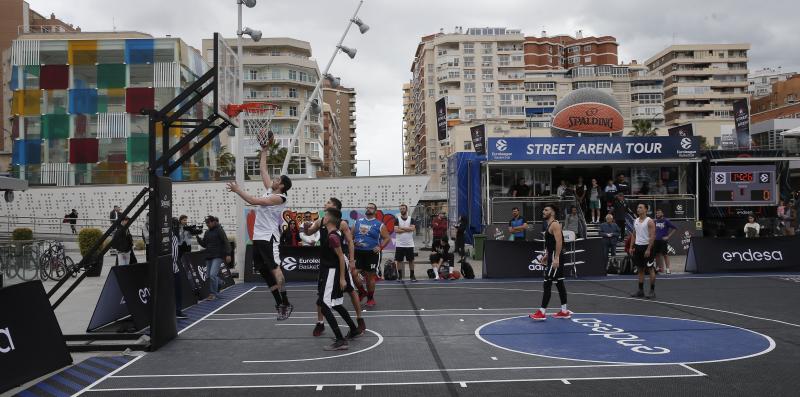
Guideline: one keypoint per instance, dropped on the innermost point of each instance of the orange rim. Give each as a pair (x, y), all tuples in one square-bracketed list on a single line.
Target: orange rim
[(234, 110)]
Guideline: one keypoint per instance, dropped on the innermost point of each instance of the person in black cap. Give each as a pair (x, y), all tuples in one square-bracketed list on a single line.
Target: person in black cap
[(215, 241)]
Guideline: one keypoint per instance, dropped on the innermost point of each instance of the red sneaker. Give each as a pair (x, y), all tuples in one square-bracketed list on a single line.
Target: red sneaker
[(371, 303), (538, 316), (319, 329), (563, 314)]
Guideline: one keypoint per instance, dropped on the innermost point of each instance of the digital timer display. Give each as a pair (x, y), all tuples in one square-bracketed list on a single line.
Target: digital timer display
[(741, 176), (743, 185)]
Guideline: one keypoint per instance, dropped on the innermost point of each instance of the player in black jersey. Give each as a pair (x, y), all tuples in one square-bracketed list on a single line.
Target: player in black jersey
[(332, 279), (347, 244), (554, 270)]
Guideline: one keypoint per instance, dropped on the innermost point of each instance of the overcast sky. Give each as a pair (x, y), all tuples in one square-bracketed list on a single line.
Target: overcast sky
[(385, 52)]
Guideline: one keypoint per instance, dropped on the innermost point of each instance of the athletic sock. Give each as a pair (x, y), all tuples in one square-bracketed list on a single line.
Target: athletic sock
[(436, 272), (277, 295), (543, 310), (563, 308), (652, 286), (641, 286), (284, 298), (411, 272)]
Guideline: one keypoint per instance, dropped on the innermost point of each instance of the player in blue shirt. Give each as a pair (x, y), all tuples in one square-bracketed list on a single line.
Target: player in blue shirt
[(369, 237), (664, 230)]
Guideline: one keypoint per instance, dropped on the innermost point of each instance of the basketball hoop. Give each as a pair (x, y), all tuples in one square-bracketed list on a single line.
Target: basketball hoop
[(256, 117)]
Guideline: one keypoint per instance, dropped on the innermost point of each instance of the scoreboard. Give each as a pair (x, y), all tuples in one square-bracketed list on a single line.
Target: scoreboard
[(743, 185)]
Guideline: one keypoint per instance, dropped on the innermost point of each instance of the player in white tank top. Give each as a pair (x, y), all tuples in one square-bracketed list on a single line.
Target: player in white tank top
[(644, 235)]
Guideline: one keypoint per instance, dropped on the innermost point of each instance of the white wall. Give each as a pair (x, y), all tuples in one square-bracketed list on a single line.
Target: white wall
[(204, 198)]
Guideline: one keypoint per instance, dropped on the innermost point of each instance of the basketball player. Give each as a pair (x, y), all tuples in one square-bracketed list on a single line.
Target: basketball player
[(267, 233), (344, 228), (370, 237), (332, 280), (644, 235), (404, 244), (554, 270)]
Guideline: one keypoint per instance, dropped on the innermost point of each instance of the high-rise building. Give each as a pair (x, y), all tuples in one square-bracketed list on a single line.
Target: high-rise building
[(647, 96), (783, 102), (76, 100), (16, 18), (701, 82), (510, 83), (343, 104), (409, 139), (332, 165), (281, 71), (760, 81)]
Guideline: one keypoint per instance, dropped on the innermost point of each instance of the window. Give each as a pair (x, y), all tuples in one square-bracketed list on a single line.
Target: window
[(488, 100), (253, 74), (303, 76), (469, 88), (487, 48), (293, 111), (252, 167), (293, 94), (604, 70), (488, 87), (469, 114), (433, 156), (575, 59), (516, 58), (619, 72), (469, 62), (540, 86), (487, 74), (467, 145), (430, 92), (505, 99), (433, 167), (572, 49), (603, 84), (292, 74), (486, 60), (469, 74), (647, 98), (583, 71), (469, 100), (430, 68), (488, 112), (297, 166), (503, 60), (469, 48), (512, 111), (430, 79), (587, 59), (587, 47)]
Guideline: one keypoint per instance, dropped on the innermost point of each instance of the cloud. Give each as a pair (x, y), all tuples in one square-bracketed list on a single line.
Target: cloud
[(385, 53)]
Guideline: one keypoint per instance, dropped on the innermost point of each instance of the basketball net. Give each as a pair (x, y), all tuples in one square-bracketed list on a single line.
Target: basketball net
[(256, 119)]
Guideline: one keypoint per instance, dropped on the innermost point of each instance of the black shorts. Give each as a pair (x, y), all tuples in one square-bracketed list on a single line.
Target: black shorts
[(404, 254), (556, 274), (351, 286), (436, 257), (640, 260), (329, 290), (366, 261), (266, 254), (660, 247)]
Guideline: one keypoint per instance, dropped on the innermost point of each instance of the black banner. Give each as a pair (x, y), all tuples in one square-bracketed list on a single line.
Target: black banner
[(297, 264), (520, 259), (441, 119), (741, 117), (31, 343), (478, 133), (165, 214), (712, 255), (681, 130), (136, 293)]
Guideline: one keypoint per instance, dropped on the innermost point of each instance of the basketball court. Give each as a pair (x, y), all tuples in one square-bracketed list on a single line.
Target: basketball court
[(732, 334)]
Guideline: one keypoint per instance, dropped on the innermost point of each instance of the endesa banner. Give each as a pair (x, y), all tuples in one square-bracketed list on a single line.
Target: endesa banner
[(592, 148), (712, 255)]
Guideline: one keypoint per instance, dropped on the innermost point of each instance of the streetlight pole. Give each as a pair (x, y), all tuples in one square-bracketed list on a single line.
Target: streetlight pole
[(351, 53)]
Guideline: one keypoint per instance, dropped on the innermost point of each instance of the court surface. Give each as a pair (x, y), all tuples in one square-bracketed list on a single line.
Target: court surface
[(720, 335)]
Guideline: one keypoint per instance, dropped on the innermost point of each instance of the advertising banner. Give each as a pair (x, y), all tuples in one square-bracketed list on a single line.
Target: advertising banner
[(520, 259), (478, 133), (713, 255), (606, 148), (441, 119), (681, 130), (741, 117), (31, 343), (297, 264)]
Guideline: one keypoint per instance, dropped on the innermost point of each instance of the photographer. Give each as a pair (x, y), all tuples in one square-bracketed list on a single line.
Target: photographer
[(217, 248), (185, 233)]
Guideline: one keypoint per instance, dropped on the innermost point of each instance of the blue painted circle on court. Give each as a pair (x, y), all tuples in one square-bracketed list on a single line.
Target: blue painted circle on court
[(625, 338)]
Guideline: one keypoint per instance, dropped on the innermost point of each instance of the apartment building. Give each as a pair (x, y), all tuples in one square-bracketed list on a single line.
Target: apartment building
[(701, 82), (783, 102), (759, 82), (332, 165), (342, 101), (280, 70), (647, 96), (16, 18), (75, 106), (409, 160)]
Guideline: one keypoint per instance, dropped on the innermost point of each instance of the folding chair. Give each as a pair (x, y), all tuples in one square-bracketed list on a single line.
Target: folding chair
[(570, 251)]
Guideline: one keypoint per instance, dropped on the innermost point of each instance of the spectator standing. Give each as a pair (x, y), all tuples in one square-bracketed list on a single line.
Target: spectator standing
[(609, 231), (580, 194), (461, 230), (520, 189), (215, 241), (562, 189), (308, 240), (575, 223), (620, 207), (146, 233), (517, 225), (659, 189), (594, 201), (439, 229), (123, 243), (115, 213), (752, 228), (175, 231), (622, 185), (73, 219), (664, 230), (611, 192), (290, 235)]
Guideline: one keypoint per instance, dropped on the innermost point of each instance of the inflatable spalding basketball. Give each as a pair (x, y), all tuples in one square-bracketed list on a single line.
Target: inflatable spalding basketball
[(587, 111)]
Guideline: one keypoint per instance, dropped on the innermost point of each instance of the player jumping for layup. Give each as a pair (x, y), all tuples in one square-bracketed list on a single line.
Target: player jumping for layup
[(554, 271)]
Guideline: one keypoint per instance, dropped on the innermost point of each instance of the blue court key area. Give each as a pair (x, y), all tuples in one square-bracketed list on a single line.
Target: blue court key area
[(624, 338)]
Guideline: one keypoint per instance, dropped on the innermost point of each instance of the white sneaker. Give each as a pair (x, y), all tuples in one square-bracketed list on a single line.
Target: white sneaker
[(669, 271)]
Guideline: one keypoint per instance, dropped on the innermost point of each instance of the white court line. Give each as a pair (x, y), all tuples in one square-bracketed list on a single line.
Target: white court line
[(368, 316), (216, 310), (693, 369), (392, 371), (566, 382), (376, 344), (463, 384), (358, 385), (108, 375), (319, 388)]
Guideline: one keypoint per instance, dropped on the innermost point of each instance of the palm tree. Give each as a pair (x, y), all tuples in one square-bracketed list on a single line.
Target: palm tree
[(225, 161), (275, 155), (643, 128)]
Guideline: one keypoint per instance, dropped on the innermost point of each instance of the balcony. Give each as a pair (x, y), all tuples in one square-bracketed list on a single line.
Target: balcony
[(652, 89), (265, 78), (520, 76), (270, 95)]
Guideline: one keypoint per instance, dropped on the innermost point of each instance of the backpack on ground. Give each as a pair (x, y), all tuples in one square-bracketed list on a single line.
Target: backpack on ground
[(612, 267), (389, 271), (431, 274), (467, 271), (627, 266)]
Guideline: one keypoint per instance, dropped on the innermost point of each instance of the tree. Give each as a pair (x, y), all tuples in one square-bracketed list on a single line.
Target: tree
[(703, 143), (275, 155), (643, 128), (225, 161)]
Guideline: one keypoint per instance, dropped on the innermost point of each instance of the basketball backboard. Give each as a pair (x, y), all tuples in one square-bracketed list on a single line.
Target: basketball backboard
[(227, 66)]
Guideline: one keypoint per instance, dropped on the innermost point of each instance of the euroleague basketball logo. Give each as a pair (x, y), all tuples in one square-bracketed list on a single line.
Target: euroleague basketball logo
[(289, 263), (589, 118), (502, 145), (686, 143)]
